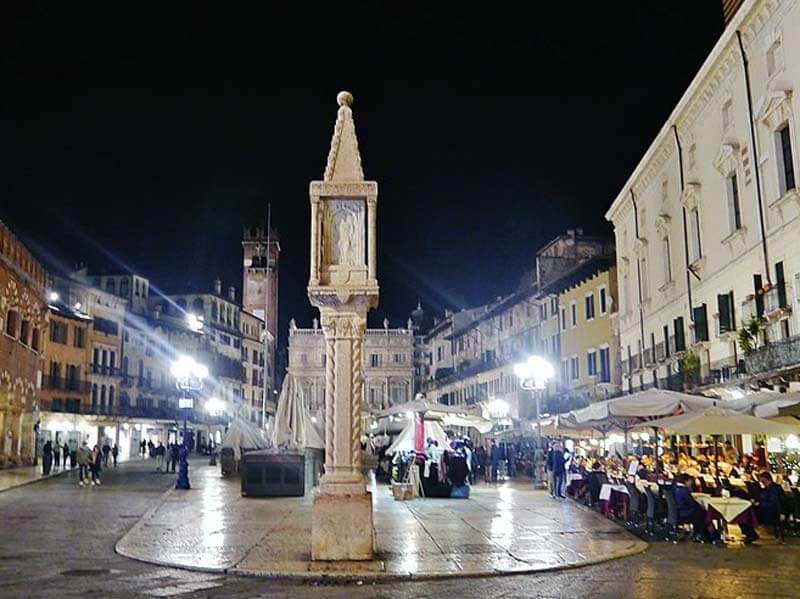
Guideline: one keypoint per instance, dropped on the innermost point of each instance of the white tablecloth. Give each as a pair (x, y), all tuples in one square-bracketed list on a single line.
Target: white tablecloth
[(728, 507), (605, 491)]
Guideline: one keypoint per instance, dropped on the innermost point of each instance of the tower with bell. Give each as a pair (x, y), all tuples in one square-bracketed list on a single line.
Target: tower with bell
[(343, 285)]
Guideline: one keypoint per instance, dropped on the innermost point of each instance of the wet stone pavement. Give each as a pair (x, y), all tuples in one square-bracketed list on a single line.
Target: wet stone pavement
[(500, 529), (57, 540)]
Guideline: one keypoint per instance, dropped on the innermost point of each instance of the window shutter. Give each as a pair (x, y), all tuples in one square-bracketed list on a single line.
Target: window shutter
[(680, 338), (724, 313), (700, 323)]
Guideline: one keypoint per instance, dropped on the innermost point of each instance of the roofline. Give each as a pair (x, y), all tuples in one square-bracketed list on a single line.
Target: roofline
[(727, 38)]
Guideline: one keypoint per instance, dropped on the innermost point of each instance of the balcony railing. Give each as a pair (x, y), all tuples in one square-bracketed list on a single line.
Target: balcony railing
[(103, 369), (56, 383), (774, 356), (775, 300)]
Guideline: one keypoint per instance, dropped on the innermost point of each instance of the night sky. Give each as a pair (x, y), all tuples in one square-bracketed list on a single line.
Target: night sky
[(145, 139)]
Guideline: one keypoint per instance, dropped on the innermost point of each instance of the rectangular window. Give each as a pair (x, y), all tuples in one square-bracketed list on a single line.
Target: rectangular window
[(727, 320), (574, 368), (574, 314), (605, 366), (591, 363), (700, 323), (757, 285), (565, 370), (375, 360), (780, 283), (553, 306), (667, 256), (603, 304), (785, 160), (697, 248), (563, 319), (666, 341), (590, 307), (542, 312), (680, 334), (652, 348), (734, 211)]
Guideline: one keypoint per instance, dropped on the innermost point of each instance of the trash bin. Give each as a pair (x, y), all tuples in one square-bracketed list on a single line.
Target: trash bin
[(227, 460), (266, 474)]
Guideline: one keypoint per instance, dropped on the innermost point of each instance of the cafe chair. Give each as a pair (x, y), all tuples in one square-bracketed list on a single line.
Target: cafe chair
[(634, 504), (674, 526)]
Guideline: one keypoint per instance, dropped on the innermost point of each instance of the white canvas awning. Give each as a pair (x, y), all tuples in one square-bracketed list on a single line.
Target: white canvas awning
[(624, 412), (718, 421)]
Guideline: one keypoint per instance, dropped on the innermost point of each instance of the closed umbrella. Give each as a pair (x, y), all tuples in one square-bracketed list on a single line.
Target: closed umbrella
[(289, 433)]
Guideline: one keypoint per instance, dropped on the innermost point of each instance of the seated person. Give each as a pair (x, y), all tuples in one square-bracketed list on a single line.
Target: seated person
[(768, 509), (689, 511), (594, 482)]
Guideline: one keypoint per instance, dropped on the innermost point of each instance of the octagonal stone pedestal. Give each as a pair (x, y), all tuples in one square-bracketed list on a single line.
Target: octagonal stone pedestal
[(342, 528)]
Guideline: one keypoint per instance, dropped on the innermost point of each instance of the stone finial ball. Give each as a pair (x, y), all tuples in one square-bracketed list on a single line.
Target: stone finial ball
[(343, 98)]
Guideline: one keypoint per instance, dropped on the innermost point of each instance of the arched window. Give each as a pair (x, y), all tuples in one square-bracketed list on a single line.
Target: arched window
[(197, 306), (181, 303), (94, 398), (12, 323), (111, 286), (125, 287)]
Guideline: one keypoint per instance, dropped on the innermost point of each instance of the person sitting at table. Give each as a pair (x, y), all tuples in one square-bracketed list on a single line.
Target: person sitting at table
[(730, 453), (689, 511), (768, 509)]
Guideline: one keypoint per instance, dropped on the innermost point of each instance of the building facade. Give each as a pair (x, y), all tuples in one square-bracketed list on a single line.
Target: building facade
[(388, 366), (707, 224), (257, 390), (472, 353), (23, 321)]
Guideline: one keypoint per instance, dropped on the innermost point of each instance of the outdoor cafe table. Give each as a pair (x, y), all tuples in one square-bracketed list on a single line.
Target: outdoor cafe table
[(574, 483), (612, 496), (732, 510)]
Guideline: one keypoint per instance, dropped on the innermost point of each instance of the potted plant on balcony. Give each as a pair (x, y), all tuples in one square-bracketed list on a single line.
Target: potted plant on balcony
[(748, 335), (690, 366)]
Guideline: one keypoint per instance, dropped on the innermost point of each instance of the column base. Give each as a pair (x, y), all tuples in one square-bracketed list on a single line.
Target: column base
[(341, 527)]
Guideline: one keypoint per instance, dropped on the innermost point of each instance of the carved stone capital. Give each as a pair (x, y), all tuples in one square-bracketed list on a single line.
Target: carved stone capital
[(338, 325)]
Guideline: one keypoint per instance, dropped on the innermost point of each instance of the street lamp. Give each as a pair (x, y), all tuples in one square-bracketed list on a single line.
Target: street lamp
[(189, 376), (533, 375)]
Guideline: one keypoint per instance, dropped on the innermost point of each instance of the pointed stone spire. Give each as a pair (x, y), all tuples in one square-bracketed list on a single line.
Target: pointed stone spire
[(344, 161)]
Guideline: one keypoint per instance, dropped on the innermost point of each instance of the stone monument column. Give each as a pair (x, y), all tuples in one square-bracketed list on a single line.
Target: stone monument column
[(343, 285)]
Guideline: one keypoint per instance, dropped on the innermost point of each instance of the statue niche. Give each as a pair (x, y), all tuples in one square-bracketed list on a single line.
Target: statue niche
[(343, 236)]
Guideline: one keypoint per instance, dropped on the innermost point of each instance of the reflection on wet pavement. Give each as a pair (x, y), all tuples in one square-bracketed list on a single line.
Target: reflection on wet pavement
[(503, 528)]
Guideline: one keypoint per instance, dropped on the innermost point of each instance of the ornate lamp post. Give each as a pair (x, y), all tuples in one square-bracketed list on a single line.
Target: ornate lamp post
[(533, 375), (189, 376)]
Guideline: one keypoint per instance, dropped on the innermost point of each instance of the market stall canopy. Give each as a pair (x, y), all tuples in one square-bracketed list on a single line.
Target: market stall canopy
[(449, 415), (624, 412), (242, 434), (405, 440), (718, 421)]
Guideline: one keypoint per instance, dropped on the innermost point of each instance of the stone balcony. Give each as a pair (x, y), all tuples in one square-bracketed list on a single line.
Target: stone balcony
[(777, 355)]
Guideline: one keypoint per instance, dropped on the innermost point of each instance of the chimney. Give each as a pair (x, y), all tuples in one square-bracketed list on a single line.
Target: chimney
[(232, 293), (218, 287)]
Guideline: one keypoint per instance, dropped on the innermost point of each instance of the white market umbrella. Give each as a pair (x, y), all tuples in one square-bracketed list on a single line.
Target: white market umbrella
[(718, 421), (406, 440), (242, 434)]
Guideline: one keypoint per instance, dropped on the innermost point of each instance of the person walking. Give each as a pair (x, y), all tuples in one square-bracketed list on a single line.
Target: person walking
[(174, 454), (494, 459), (551, 480), (151, 448), (558, 470), (106, 453), (83, 457), (47, 457), (114, 454), (68, 454), (97, 464), (57, 455), (160, 452)]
